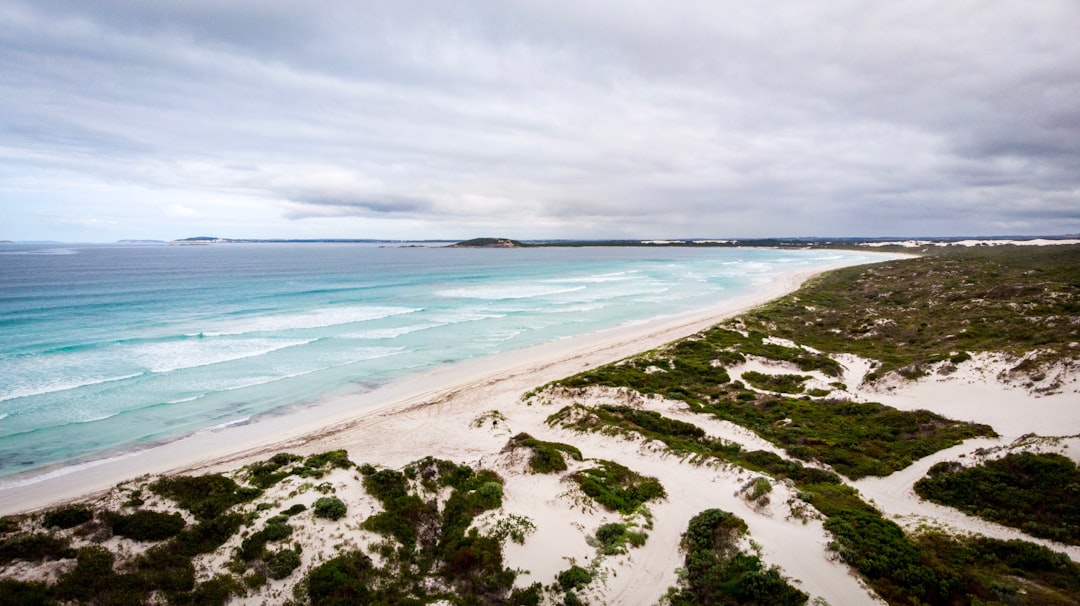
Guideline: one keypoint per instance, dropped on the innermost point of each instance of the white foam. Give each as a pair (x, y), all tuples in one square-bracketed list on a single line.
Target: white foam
[(500, 292), (171, 356), (319, 318), (377, 334), (59, 386), (228, 424), (620, 276)]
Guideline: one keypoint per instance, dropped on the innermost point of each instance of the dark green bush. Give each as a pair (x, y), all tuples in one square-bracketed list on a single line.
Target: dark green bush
[(280, 564), (344, 579), (34, 547), (146, 525), (207, 535), (295, 509), (779, 383), (547, 457), (717, 572), (574, 577), (68, 517), (217, 591), (331, 508), (254, 547), (385, 484), (618, 488), (529, 596), (1038, 493), (205, 496), (334, 458), (23, 593)]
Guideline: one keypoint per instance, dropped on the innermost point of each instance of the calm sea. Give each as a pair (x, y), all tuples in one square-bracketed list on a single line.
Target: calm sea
[(108, 348)]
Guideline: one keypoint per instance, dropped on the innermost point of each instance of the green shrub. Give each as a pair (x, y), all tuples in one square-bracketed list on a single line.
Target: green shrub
[(385, 484), (34, 547), (529, 596), (295, 509), (778, 383), (280, 564), (24, 593), (331, 508), (547, 457), (612, 537), (574, 577), (207, 535), (1038, 493), (204, 496), (335, 458), (717, 572), (254, 547), (68, 517), (146, 525), (217, 591), (618, 488), (344, 579)]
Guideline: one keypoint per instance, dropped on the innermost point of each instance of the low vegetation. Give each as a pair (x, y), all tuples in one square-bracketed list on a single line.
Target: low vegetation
[(547, 457), (617, 487), (1037, 493), (782, 383), (912, 312), (719, 572)]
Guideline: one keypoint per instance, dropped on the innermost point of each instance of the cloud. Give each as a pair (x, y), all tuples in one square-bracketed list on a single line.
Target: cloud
[(685, 119)]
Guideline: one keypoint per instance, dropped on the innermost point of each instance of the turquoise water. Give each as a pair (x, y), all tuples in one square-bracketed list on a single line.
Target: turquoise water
[(110, 348)]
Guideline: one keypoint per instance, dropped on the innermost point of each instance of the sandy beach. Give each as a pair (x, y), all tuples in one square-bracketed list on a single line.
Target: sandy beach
[(467, 414), (476, 385)]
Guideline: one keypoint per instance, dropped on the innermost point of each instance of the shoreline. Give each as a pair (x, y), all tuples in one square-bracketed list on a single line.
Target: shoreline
[(331, 422)]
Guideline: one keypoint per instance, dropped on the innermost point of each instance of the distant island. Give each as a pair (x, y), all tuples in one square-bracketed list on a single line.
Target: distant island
[(490, 243)]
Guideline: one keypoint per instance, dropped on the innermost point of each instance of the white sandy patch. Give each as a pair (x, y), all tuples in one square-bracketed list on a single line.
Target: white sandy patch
[(969, 243)]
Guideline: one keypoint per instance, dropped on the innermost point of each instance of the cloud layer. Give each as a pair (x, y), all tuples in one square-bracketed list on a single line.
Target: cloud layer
[(538, 119)]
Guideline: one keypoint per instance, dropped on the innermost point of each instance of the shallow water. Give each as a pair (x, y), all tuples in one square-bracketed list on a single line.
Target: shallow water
[(109, 348)]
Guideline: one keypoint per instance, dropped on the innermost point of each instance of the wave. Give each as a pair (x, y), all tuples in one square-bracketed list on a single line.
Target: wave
[(40, 390), (228, 424), (501, 292), (619, 276), (377, 334), (320, 318), (180, 355)]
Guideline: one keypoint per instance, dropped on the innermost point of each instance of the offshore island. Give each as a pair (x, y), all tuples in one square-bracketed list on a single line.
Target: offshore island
[(903, 432)]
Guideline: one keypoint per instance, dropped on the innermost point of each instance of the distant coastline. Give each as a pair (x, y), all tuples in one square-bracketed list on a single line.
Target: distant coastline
[(801, 242)]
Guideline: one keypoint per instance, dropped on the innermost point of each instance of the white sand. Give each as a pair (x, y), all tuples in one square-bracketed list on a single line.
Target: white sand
[(438, 414), (447, 414)]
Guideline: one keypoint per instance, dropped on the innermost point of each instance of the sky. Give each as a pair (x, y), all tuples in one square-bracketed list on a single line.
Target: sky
[(538, 119)]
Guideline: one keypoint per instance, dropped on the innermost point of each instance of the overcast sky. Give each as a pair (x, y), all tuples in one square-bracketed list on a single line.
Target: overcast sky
[(402, 119)]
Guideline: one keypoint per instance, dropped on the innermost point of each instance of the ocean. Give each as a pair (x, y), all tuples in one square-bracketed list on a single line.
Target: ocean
[(106, 349)]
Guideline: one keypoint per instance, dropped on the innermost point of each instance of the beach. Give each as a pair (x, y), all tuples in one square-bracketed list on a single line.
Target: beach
[(467, 413), (471, 386)]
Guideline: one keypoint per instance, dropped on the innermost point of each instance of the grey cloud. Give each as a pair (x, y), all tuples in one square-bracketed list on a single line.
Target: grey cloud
[(716, 118)]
